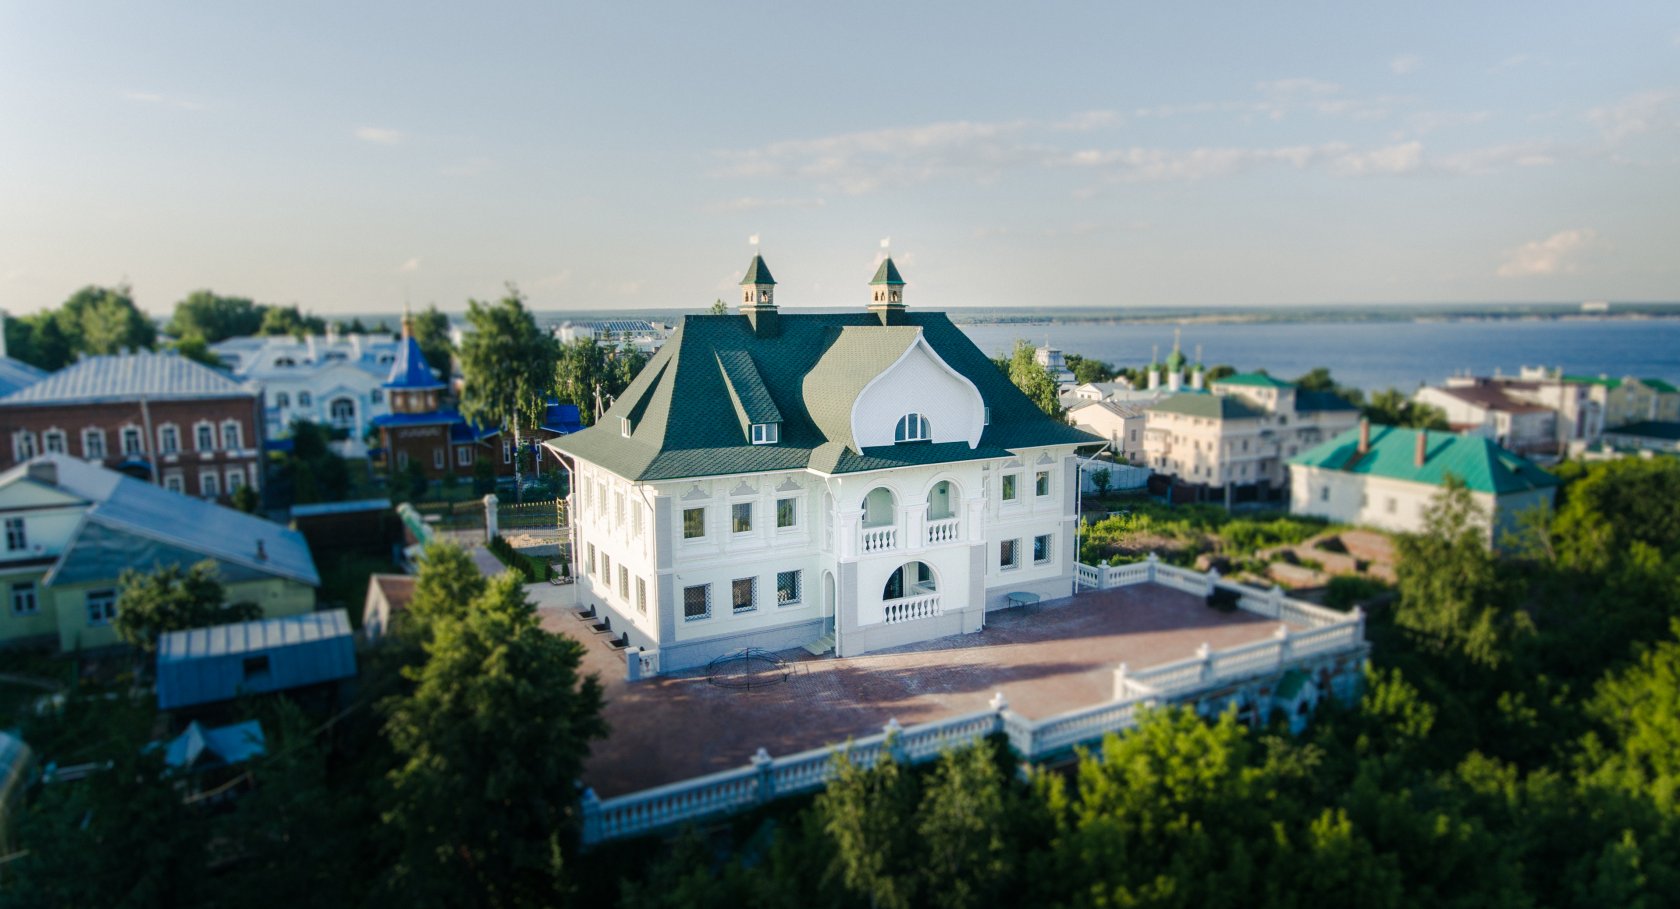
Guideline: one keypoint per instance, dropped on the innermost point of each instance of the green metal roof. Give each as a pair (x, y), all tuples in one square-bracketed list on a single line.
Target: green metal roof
[(1660, 385), (758, 272), (1254, 380), (1480, 462), (887, 273), (687, 404), (1217, 407), (1605, 381)]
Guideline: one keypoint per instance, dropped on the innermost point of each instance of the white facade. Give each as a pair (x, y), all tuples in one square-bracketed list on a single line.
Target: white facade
[(1121, 424), (1392, 504), (1495, 412), (333, 381), (1205, 443)]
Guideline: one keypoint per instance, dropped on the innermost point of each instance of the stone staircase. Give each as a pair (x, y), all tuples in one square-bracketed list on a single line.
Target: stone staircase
[(820, 646)]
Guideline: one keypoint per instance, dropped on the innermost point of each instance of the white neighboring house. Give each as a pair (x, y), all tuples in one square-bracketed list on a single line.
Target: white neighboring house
[(332, 380), (850, 481), (1387, 477), (1503, 412), (640, 333), (1120, 422)]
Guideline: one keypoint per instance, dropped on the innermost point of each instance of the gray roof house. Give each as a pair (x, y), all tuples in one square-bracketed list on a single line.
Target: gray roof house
[(222, 662), (847, 480)]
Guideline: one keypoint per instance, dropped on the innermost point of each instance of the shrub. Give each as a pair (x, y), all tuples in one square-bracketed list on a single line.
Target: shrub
[(1347, 591), (534, 570)]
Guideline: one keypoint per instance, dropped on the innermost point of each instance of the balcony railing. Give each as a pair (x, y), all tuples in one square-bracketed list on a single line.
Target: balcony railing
[(945, 530), (879, 539), (909, 609)]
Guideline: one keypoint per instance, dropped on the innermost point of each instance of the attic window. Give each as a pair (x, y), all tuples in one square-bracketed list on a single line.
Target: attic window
[(624, 427), (913, 427), (766, 433), (988, 416)]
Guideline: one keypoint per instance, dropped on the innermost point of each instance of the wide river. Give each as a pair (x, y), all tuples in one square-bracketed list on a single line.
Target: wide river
[(1374, 355)]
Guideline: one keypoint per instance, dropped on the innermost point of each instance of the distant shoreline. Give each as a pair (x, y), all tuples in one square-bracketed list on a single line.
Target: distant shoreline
[(1233, 318)]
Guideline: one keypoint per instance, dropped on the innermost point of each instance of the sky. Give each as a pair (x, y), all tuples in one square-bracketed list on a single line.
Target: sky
[(349, 157)]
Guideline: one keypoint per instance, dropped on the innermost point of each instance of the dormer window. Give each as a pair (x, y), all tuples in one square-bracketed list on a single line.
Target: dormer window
[(285, 362), (913, 427), (766, 433), (624, 427)]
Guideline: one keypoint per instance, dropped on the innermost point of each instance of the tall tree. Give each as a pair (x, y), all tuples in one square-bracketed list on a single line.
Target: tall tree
[(94, 320), (508, 366), (169, 599), (289, 320), (430, 328), (214, 318), (1392, 408), (1451, 593), (1034, 380), (489, 748)]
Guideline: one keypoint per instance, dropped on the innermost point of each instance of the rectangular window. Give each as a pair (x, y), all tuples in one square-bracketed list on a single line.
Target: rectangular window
[(131, 441), (101, 606), (1392, 505), (641, 595), (787, 588), (623, 581), (437, 458), (744, 594), (740, 517), (209, 485), (174, 483), (1041, 549), (93, 444), (463, 456), (402, 460), (16, 537), (1009, 487), (606, 569), (230, 436), (1041, 483), (1324, 493), (766, 433), (694, 523), (53, 441), (618, 510), (235, 479), (697, 602), (787, 512), (1009, 554), (507, 452), (591, 562), (204, 437), (624, 427), (169, 440), (24, 601), (23, 446)]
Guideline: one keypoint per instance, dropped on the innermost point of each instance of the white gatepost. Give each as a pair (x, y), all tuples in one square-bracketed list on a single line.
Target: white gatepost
[(590, 806), (490, 527), (761, 762), (633, 664), (1120, 683), (1205, 654), (1154, 560), (1212, 580), (1285, 647)]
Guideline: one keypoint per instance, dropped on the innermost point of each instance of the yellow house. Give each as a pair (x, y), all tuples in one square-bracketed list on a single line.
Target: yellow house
[(71, 527)]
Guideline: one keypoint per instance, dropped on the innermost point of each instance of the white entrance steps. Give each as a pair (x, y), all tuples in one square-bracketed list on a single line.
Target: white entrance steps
[(821, 645)]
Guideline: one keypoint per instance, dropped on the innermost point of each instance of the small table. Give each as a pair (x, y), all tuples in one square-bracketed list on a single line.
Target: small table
[(1022, 598)]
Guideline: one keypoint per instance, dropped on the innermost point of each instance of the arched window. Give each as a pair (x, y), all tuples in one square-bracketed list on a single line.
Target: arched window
[(281, 399), (909, 580), (303, 399), (343, 410), (913, 427)]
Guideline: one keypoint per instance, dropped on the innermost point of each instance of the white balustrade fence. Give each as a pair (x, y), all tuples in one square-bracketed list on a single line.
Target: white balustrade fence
[(878, 539), (908, 609), (1326, 633), (943, 531)]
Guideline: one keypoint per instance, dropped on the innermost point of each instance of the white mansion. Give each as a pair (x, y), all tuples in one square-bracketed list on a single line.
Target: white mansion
[(848, 480), (334, 380)]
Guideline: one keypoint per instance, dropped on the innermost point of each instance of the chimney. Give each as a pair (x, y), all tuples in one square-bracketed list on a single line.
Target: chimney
[(1364, 435), (1422, 448)]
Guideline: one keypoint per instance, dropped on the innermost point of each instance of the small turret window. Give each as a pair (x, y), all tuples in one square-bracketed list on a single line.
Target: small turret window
[(913, 427)]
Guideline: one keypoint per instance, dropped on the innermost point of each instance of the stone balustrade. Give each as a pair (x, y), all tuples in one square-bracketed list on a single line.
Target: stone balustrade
[(908, 609), (946, 530), (877, 539)]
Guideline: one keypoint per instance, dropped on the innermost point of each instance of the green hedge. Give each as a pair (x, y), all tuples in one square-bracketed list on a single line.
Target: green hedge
[(534, 570)]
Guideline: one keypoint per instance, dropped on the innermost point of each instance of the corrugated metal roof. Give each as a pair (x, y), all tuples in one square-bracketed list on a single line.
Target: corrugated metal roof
[(128, 505), (16, 374), (128, 377), (202, 665)]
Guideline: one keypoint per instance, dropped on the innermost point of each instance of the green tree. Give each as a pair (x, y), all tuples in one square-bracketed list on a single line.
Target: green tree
[(1450, 589), (489, 747), (1034, 380), (1088, 369), (718, 308), (430, 329), (214, 318), (245, 499), (484, 477), (1100, 478), (289, 320), (587, 372), (193, 348), (94, 320), (1319, 379), (1393, 408), (169, 599), (868, 816), (508, 366)]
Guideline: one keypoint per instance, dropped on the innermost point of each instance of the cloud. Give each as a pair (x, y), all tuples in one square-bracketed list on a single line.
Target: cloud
[(1394, 159), (412, 265), (166, 100), (1637, 114), (753, 203), (861, 162), (1494, 157), (1557, 254), (1431, 120), (1089, 120), (379, 135), (1405, 64)]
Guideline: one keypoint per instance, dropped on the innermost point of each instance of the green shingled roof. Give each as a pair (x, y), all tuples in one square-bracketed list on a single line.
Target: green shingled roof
[(1217, 407), (887, 273), (746, 389), (1480, 462), (758, 272), (686, 422), (1253, 380)]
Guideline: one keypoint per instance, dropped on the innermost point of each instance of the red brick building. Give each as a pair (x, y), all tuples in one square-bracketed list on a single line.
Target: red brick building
[(420, 430), (158, 417)]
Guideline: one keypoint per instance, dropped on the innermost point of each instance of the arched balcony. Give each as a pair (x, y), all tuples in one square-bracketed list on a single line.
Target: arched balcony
[(943, 525), (879, 531), (911, 592)]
